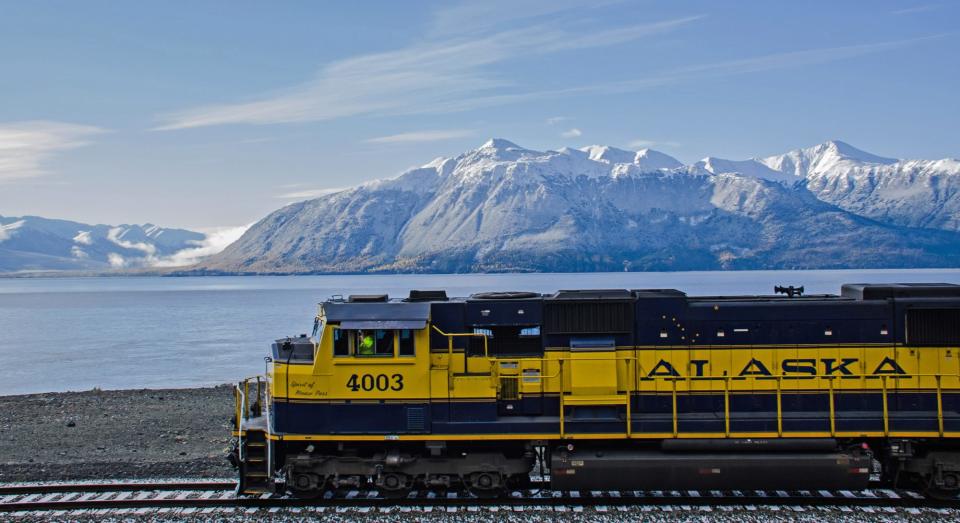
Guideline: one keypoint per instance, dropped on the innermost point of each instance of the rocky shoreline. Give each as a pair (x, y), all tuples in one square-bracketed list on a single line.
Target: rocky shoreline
[(116, 434)]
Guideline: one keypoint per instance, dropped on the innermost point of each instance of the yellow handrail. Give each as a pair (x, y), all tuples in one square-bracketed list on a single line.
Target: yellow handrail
[(241, 395), (939, 407), (451, 335)]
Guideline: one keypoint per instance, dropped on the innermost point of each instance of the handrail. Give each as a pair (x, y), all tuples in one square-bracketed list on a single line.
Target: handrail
[(241, 400), (451, 335)]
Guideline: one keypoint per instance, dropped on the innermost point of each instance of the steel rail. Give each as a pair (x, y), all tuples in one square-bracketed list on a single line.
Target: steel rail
[(49, 488), (903, 500)]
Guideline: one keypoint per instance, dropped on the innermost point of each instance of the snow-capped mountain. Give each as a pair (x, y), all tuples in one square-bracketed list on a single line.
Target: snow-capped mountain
[(914, 193), (31, 243), (504, 207)]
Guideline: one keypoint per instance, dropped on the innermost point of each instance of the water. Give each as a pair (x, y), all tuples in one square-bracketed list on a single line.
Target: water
[(63, 334)]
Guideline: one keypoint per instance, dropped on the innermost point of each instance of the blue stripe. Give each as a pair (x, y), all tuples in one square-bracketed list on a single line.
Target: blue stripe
[(807, 412)]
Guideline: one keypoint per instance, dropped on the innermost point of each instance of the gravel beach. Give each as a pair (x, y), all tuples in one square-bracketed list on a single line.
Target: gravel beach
[(116, 434), (184, 433)]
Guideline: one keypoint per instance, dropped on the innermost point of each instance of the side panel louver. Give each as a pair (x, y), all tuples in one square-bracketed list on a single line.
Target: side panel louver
[(416, 419), (588, 317), (933, 327)]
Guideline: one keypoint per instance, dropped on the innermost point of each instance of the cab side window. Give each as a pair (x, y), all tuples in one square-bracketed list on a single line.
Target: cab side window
[(373, 343), (406, 342), (341, 342), (384, 343)]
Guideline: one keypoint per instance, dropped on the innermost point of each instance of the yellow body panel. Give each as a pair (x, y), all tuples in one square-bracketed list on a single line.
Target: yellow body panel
[(604, 378)]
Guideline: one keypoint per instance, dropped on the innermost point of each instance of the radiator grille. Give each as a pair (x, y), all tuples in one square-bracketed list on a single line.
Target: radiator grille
[(933, 327), (509, 388), (588, 317)]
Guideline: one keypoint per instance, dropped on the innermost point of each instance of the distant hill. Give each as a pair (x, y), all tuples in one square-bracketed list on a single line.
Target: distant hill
[(502, 207), (31, 243)]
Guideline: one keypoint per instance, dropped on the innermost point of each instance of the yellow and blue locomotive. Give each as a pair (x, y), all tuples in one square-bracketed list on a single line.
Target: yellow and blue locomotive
[(645, 389)]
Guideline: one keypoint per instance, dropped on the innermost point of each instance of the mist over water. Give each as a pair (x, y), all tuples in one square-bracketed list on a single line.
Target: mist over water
[(62, 334)]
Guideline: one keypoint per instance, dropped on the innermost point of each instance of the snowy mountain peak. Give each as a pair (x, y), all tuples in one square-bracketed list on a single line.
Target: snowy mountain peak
[(849, 152), (749, 168), (605, 153), (500, 144), (649, 159), (828, 156)]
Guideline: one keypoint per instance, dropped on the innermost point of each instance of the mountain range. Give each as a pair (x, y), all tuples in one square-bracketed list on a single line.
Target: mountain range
[(31, 243), (502, 207)]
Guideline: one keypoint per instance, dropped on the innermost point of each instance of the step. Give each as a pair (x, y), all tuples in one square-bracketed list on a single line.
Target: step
[(607, 399)]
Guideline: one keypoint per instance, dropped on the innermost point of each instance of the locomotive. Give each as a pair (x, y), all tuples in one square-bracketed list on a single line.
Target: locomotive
[(615, 389)]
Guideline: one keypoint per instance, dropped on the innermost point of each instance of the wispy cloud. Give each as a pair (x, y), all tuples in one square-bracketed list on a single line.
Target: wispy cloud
[(455, 71), (641, 143), (554, 120), (478, 17), (700, 72), (916, 9), (308, 194), (250, 141), (25, 146), (423, 136), (757, 64), (572, 133), (439, 75), (217, 240)]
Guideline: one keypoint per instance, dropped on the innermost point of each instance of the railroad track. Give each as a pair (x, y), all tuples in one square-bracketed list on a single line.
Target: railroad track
[(205, 497), (46, 488)]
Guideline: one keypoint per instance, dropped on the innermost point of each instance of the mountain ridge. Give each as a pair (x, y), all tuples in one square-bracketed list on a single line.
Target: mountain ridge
[(34, 243), (502, 207)]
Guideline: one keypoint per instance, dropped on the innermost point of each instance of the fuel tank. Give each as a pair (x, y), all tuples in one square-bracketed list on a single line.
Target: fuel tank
[(624, 469)]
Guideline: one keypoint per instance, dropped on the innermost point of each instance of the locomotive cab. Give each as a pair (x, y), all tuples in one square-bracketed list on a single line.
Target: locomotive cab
[(369, 373)]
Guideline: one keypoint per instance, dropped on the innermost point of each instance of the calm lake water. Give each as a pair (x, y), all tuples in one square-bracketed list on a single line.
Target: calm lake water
[(62, 334)]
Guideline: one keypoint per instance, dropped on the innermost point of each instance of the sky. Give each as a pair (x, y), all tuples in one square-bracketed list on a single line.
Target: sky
[(208, 115)]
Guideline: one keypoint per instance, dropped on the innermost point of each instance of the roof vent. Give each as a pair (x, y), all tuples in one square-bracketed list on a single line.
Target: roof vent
[(367, 298), (882, 291), (593, 295), (508, 295), (418, 295)]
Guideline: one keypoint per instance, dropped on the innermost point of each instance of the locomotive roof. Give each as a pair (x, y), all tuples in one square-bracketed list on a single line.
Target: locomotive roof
[(849, 292)]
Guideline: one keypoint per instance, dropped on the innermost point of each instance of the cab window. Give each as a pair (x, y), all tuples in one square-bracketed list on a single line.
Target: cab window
[(406, 342), (341, 342), (370, 343), (384, 343)]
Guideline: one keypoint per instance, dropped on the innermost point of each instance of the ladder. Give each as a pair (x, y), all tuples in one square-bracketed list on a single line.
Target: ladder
[(254, 472)]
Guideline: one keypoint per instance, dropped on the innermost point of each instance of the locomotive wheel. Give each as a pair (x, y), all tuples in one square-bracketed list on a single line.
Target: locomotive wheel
[(394, 485), (949, 490), (486, 484), (306, 486)]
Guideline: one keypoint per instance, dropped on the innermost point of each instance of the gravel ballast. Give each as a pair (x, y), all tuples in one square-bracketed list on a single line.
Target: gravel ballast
[(116, 434)]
